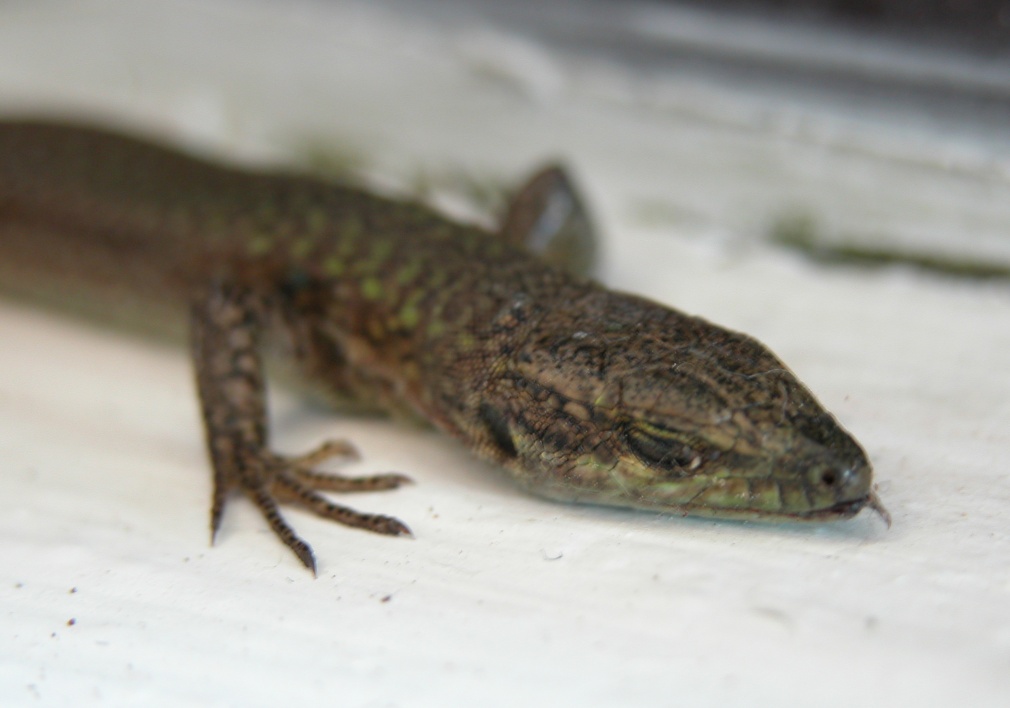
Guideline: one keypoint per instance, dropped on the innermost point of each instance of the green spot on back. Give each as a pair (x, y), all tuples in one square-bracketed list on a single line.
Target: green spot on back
[(435, 327), (408, 272), (334, 265), (371, 288), (437, 278), (409, 316), (316, 219), (350, 228), (381, 251), (301, 248), (260, 244)]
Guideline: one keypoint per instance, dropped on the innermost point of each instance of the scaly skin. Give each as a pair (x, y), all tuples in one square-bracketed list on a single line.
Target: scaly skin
[(583, 394)]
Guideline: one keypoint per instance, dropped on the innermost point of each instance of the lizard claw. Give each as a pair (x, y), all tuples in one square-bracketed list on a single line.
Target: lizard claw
[(271, 480)]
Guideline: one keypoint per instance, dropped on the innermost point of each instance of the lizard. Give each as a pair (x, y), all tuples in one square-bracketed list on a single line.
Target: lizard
[(498, 337)]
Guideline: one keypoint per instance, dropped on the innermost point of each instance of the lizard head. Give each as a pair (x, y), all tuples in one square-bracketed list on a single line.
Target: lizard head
[(640, 406)]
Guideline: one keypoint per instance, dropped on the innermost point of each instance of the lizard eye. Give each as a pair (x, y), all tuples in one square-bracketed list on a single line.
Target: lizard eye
[(659, 448)]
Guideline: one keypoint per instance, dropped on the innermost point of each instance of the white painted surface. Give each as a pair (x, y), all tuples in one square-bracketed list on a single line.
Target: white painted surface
[(504, 599)]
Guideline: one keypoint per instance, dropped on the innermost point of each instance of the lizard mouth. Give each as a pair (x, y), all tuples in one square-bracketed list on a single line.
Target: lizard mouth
[(848, 509), (836, 512)]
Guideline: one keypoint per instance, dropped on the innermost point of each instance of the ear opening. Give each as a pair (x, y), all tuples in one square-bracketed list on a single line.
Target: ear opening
[(498, 430)]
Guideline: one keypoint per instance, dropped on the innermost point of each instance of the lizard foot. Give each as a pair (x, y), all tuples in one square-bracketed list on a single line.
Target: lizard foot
[(271, 480)]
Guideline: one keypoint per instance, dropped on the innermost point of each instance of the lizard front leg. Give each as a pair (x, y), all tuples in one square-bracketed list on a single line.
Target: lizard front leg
[(226, 322)]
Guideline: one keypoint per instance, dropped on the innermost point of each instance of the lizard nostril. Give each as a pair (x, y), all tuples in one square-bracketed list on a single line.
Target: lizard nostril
[(829, 478)]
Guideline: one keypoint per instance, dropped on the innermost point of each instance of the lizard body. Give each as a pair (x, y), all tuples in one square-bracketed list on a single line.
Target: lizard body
[(582, 393)]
